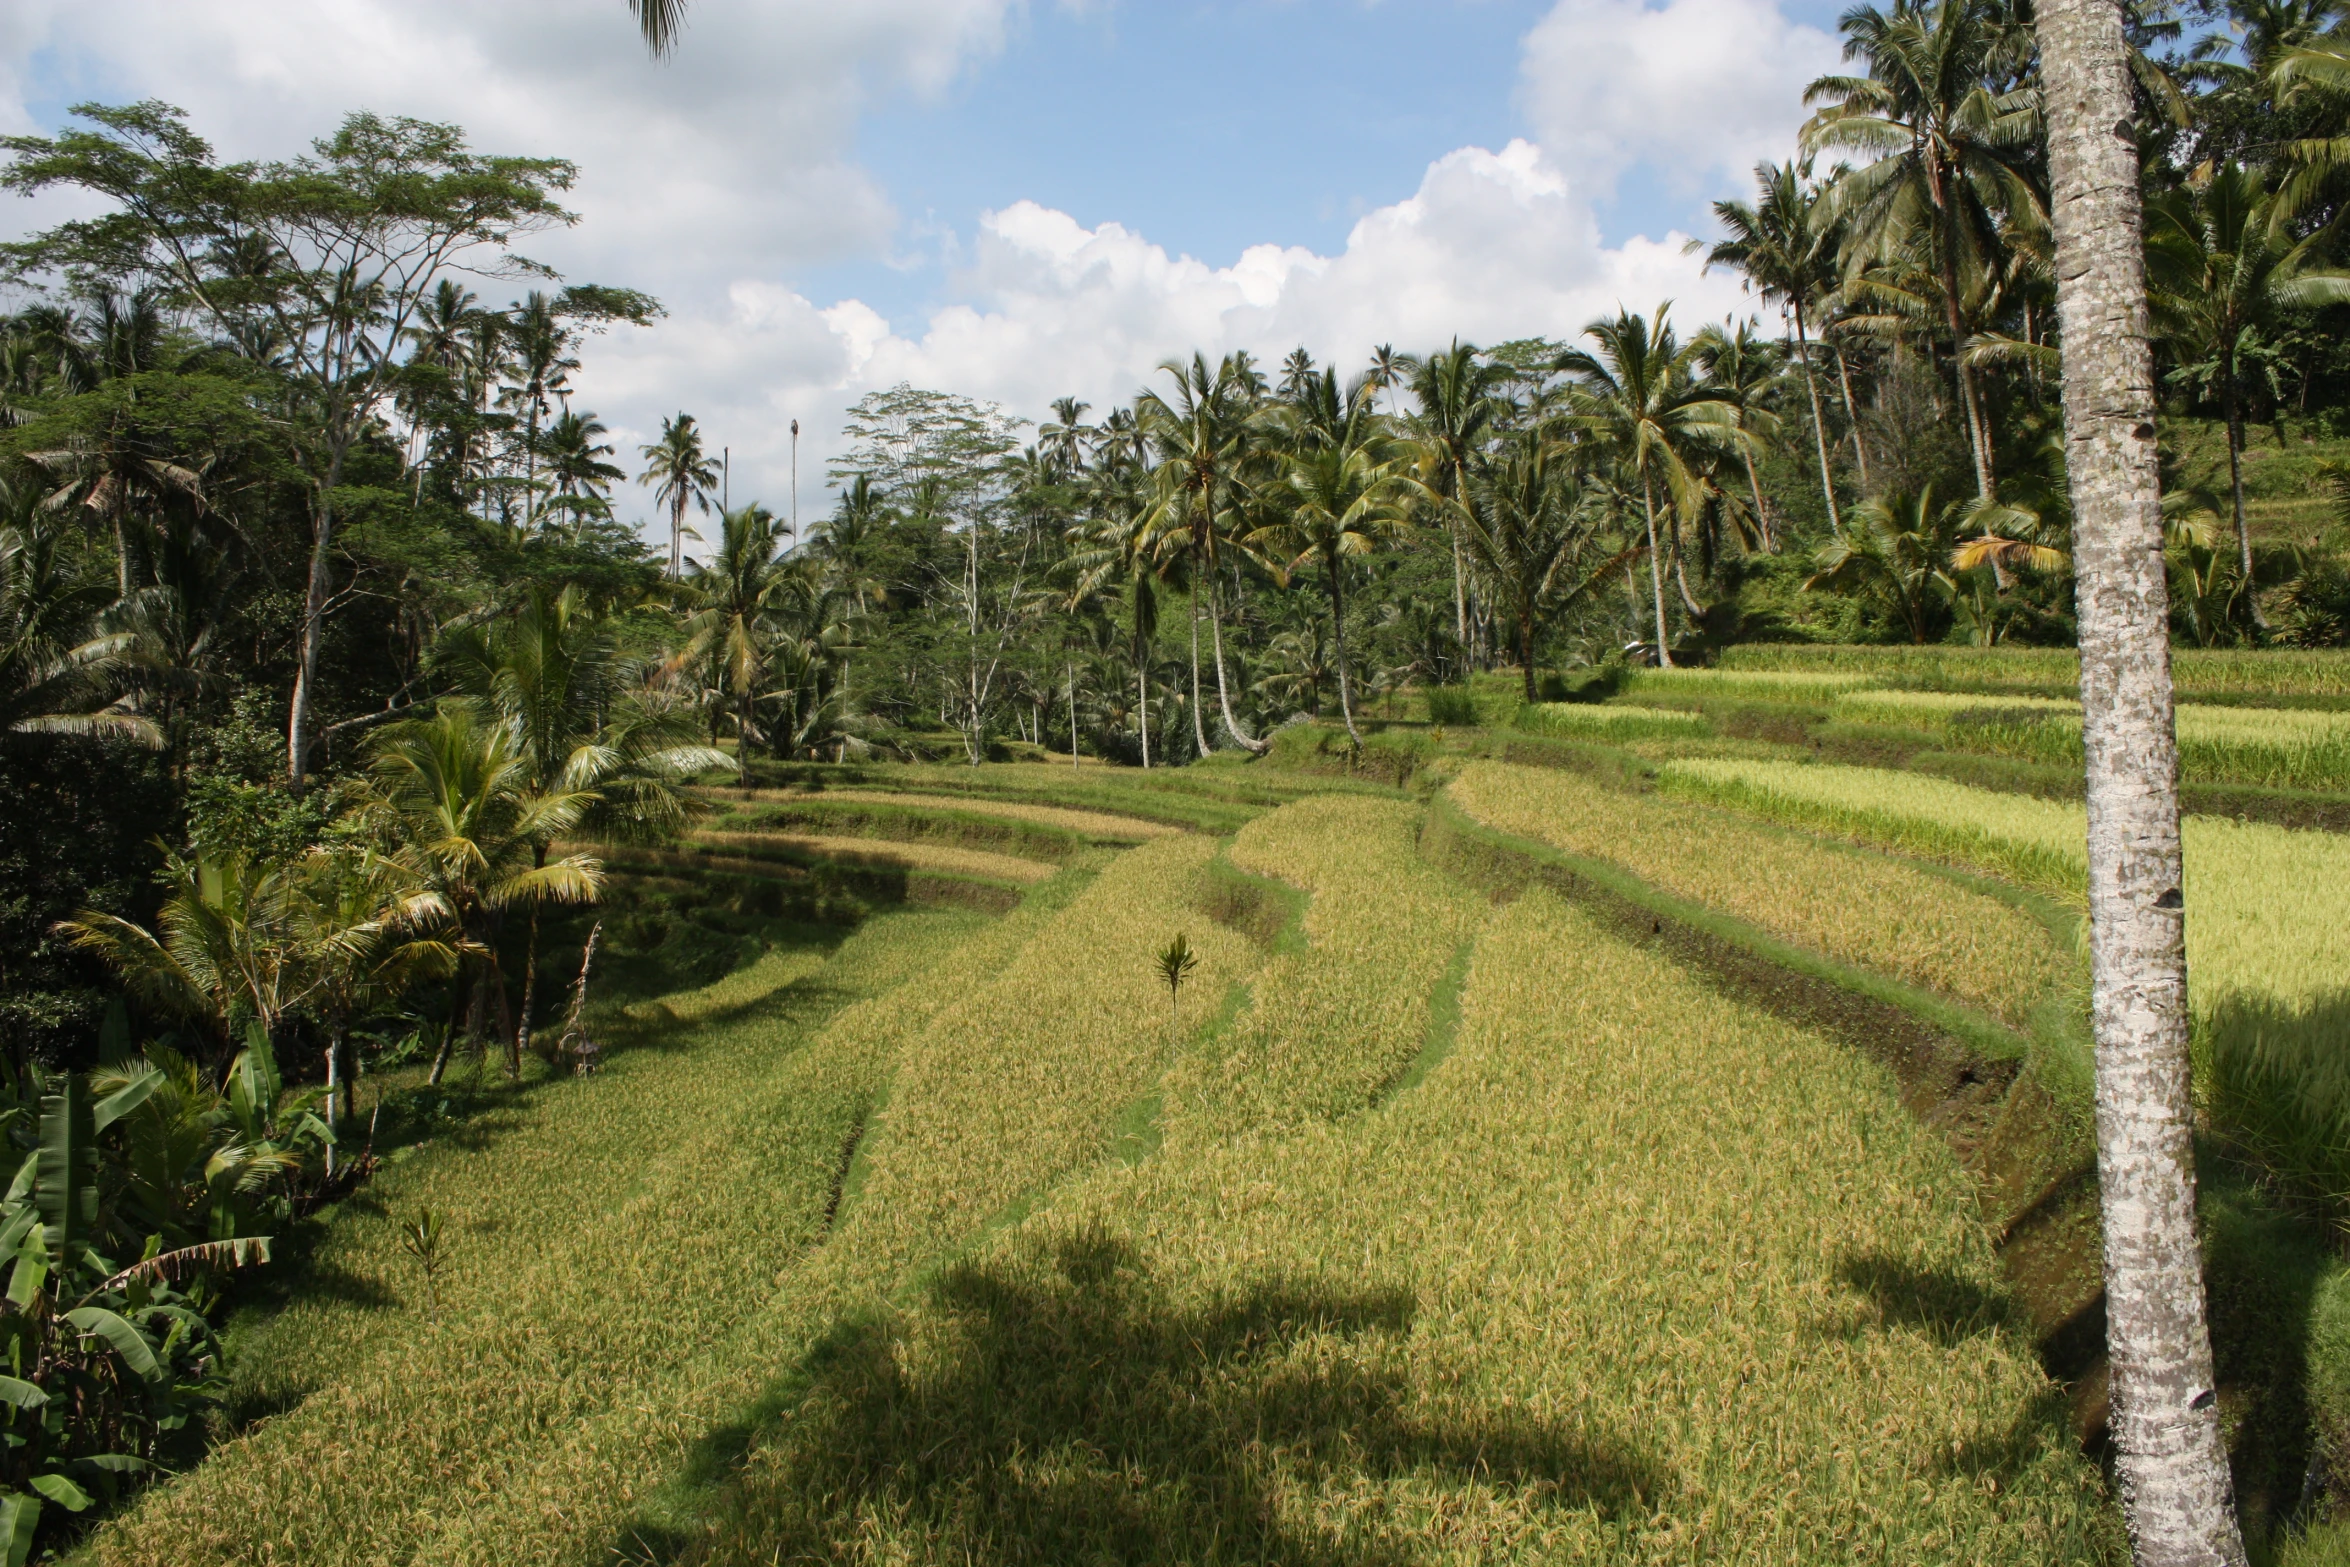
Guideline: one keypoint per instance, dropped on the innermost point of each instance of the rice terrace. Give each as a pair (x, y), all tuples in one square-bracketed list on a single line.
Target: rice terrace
[(1460, 885)]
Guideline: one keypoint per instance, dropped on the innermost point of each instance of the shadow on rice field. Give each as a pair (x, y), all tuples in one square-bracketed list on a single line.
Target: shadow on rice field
[(1071, 1412)]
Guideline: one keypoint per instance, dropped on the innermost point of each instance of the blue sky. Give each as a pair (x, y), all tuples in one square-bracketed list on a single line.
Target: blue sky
[(1018, 198)]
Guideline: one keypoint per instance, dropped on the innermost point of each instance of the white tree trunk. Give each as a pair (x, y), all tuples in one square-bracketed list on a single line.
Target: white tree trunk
[(2177, 1498)]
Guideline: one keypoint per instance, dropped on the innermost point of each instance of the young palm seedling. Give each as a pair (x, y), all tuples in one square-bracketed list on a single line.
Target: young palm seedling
[(420, 1238), (1175, 965)]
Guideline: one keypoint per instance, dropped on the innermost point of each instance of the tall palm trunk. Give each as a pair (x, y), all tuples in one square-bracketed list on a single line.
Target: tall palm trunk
[(1819, 422), (1656, 574), (1978, 433), (1070, 669), (2177, 1499), (299, 737), (1346, 705), (677, 537), (1199, 732), (1223, 689), (1860, 448), (2235, 412), (1762, 514), (1460, 593), (1526, 649)]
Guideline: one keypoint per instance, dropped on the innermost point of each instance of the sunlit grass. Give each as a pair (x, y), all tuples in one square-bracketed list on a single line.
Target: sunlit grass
[(2210, 671), (1766, 685), (948, 858), (1865, 910)]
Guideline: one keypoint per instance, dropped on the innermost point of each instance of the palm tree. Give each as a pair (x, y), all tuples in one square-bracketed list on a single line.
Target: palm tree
[(1336, 502), (1455, 393), (661, 21), (1784, 253), (55, 672), (553, 672), (1636, 395), (1894, 557), (680, 473), (542, 360), (451, 796), (1953, 148), (226, 948), (739, 593), (2221, 260), (575, 450), (1205, 435), (2170, 1460), (1739, 371), (1530, 528), (341, 916)]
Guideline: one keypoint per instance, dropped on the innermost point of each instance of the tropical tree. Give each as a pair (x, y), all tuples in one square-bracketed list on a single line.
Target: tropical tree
[(2169, 1457), (1739, 369), (1455, 393), (2222, 260), (223, 952), (1895, 556), (553, 672), (1952, 129), (1787, 257), (679, 471), (739, 595), (1205, 435), (56, 673), (1532, 530), (1637, 397), (451, 796), (1336, 502)]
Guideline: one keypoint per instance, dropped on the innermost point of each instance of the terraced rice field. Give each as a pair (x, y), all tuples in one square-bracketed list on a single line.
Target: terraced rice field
[(913, 856), (1414, 1229), (1874, 913), (1616, 722)]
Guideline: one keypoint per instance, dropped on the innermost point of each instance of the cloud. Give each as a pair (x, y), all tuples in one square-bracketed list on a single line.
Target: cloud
[(723, 179), (1687, 93), (1493, 245)]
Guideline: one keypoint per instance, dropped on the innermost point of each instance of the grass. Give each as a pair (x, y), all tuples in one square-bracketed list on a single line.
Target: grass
[(1099, 826), (947, 858), (1617, 723), (2268, 933), (1877, 914), (1738, 683), (1633, 1275)]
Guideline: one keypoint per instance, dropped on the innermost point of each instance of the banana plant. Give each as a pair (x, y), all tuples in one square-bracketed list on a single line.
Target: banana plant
[(102, 1362)]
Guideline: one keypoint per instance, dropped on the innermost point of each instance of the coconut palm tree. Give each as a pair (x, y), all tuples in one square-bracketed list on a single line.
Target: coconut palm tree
[(1336, 501), (56, 672), (451, 798), (1636, 395), (746, 585), (1455, 393), (553, 672), (2222, 259), (1739, 370), (1787, 258), (1205, 435), (2172, 1465), (660, 21), (1533, 532), (1895, 556), (679, 472), (1952, 129)]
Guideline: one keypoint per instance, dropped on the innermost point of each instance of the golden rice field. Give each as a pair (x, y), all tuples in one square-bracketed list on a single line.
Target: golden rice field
[(1614, 721), (2207, 671), (1093, 824), (1381, 933), (2268, 908), (2294, 748), (1821, 686), (1863, 909), (1634, 1275), (944, 858)]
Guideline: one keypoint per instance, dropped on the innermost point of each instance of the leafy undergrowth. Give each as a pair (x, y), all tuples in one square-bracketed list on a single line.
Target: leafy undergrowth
[(1871, 912), (1633, 1275)]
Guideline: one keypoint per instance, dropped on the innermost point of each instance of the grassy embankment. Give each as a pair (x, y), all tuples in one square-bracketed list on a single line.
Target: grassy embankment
[(1176, 1355)]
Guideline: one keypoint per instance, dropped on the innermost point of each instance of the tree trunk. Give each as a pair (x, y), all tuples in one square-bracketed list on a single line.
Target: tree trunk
[(1656, 573), (2176, 1494), (1978, 433), (677, 537), (1762, 515), (1819, 422), (1142, 700), (1460, 591), (1071, 670), (1223, 690), (440, 1060), (298, 717), (1199, 733), (1526, 649), (1346, 706), (336, 1088), (2235, 411), (530, 991), (1860, 448)]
